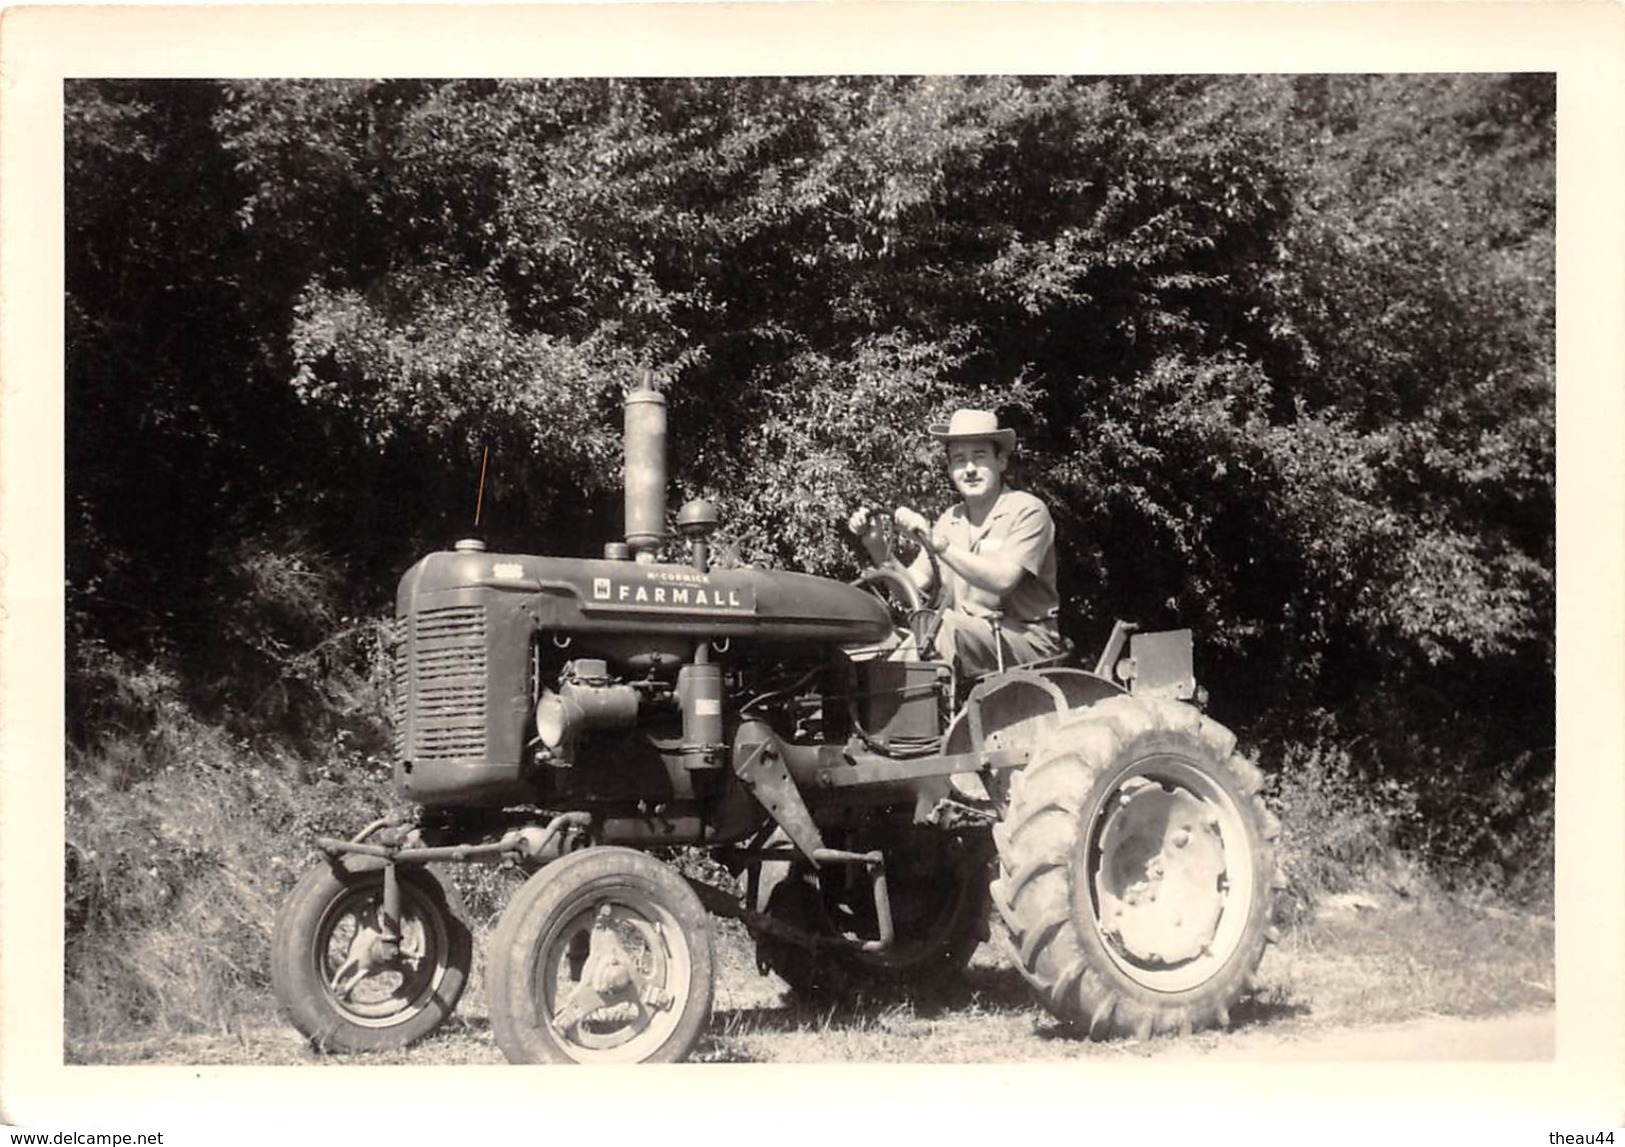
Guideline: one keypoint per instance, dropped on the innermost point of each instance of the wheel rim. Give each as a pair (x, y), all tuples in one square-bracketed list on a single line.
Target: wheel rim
[(612, 978), (1171, 868), (374, 991)]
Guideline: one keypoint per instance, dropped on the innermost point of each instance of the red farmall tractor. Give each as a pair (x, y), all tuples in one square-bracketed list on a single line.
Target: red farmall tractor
[(582, 718)]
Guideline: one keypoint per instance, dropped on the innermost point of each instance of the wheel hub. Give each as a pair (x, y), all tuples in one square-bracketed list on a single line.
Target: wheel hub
[(1161, 880), (612, 995), (373, 951)]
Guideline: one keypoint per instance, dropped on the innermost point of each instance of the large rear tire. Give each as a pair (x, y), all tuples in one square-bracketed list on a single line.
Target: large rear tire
[(1137, 870), (341, 989), (602, 957)]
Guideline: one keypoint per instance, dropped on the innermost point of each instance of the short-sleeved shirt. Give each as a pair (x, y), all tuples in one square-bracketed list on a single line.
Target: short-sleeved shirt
[(1019, 527)]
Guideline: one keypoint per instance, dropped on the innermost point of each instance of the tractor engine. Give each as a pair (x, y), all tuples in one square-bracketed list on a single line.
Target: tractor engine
[(523, 679)]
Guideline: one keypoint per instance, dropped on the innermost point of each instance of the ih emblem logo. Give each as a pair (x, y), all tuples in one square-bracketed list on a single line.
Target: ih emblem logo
[(600, 589)]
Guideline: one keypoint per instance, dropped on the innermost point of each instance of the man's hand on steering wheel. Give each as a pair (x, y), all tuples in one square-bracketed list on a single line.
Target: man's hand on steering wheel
[(890, 580), (886, 577), (866, 528), (932, 542), (886, 570), (913, 523)]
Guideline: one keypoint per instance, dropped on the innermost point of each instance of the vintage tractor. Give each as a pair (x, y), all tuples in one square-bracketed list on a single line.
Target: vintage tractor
[(583, 717)]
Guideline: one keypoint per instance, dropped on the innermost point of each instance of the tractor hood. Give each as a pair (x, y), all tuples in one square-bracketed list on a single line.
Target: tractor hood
[(606, 596)]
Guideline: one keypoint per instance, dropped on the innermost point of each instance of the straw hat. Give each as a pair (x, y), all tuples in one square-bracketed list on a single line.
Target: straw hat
[(975, 424)]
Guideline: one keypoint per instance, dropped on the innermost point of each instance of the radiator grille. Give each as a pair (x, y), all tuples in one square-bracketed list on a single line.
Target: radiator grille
[(395, 636), (447, 683)]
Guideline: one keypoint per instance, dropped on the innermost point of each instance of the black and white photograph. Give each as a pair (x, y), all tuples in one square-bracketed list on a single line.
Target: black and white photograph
[(1048, 569)]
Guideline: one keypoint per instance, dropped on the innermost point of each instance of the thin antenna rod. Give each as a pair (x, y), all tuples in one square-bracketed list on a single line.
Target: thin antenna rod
[(479, 500)]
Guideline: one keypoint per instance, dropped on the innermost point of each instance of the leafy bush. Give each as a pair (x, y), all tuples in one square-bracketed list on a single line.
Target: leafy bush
[(1339, 832), (1488, 826), (1358, 815), (289, 659)]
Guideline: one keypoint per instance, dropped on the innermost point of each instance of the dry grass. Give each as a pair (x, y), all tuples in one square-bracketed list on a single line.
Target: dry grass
[(1438, 957)]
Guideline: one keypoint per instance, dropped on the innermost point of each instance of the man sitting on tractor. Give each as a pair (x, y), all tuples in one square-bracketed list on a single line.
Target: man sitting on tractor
[(994, 551)]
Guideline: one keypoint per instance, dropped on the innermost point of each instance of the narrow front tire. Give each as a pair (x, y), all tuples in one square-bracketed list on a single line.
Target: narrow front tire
[(602, 957), (336, 979)]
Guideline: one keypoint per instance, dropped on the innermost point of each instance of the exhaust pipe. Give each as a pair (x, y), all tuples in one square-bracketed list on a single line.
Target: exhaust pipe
[(645, 471)]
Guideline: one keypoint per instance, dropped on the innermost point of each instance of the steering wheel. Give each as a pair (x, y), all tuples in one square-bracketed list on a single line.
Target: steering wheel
[(892, 584)]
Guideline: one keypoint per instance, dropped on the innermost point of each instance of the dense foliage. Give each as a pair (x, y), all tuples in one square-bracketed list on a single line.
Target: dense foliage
[(1280, 351)]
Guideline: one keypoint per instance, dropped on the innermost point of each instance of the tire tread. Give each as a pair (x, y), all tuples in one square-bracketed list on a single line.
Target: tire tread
[(1039, 850)]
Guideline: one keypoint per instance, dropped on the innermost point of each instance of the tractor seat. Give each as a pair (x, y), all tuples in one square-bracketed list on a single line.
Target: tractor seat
[(1061, 656)]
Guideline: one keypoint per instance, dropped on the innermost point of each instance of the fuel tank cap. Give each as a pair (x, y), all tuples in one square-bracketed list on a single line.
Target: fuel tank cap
[(469, 546)]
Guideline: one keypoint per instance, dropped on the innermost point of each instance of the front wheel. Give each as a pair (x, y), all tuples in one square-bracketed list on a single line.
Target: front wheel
[(604, 956), (1137, 870), (338, 980)]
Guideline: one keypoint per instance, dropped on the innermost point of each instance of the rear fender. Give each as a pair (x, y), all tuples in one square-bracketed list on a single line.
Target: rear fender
[(1014, 708)]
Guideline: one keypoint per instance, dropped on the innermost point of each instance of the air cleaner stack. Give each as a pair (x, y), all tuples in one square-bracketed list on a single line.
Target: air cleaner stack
[(645, 471)]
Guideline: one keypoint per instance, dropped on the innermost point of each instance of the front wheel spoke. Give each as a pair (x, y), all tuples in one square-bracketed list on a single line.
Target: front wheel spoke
[(633, 984), (582, 1002), (407, 966), (413, 951), (655, 997), (588, 998), (345, 978), (348, 975), (357, 964)]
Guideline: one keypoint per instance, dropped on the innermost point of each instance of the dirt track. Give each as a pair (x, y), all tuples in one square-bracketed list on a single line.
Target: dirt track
[(1519, 1037), (1526, 1036)]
